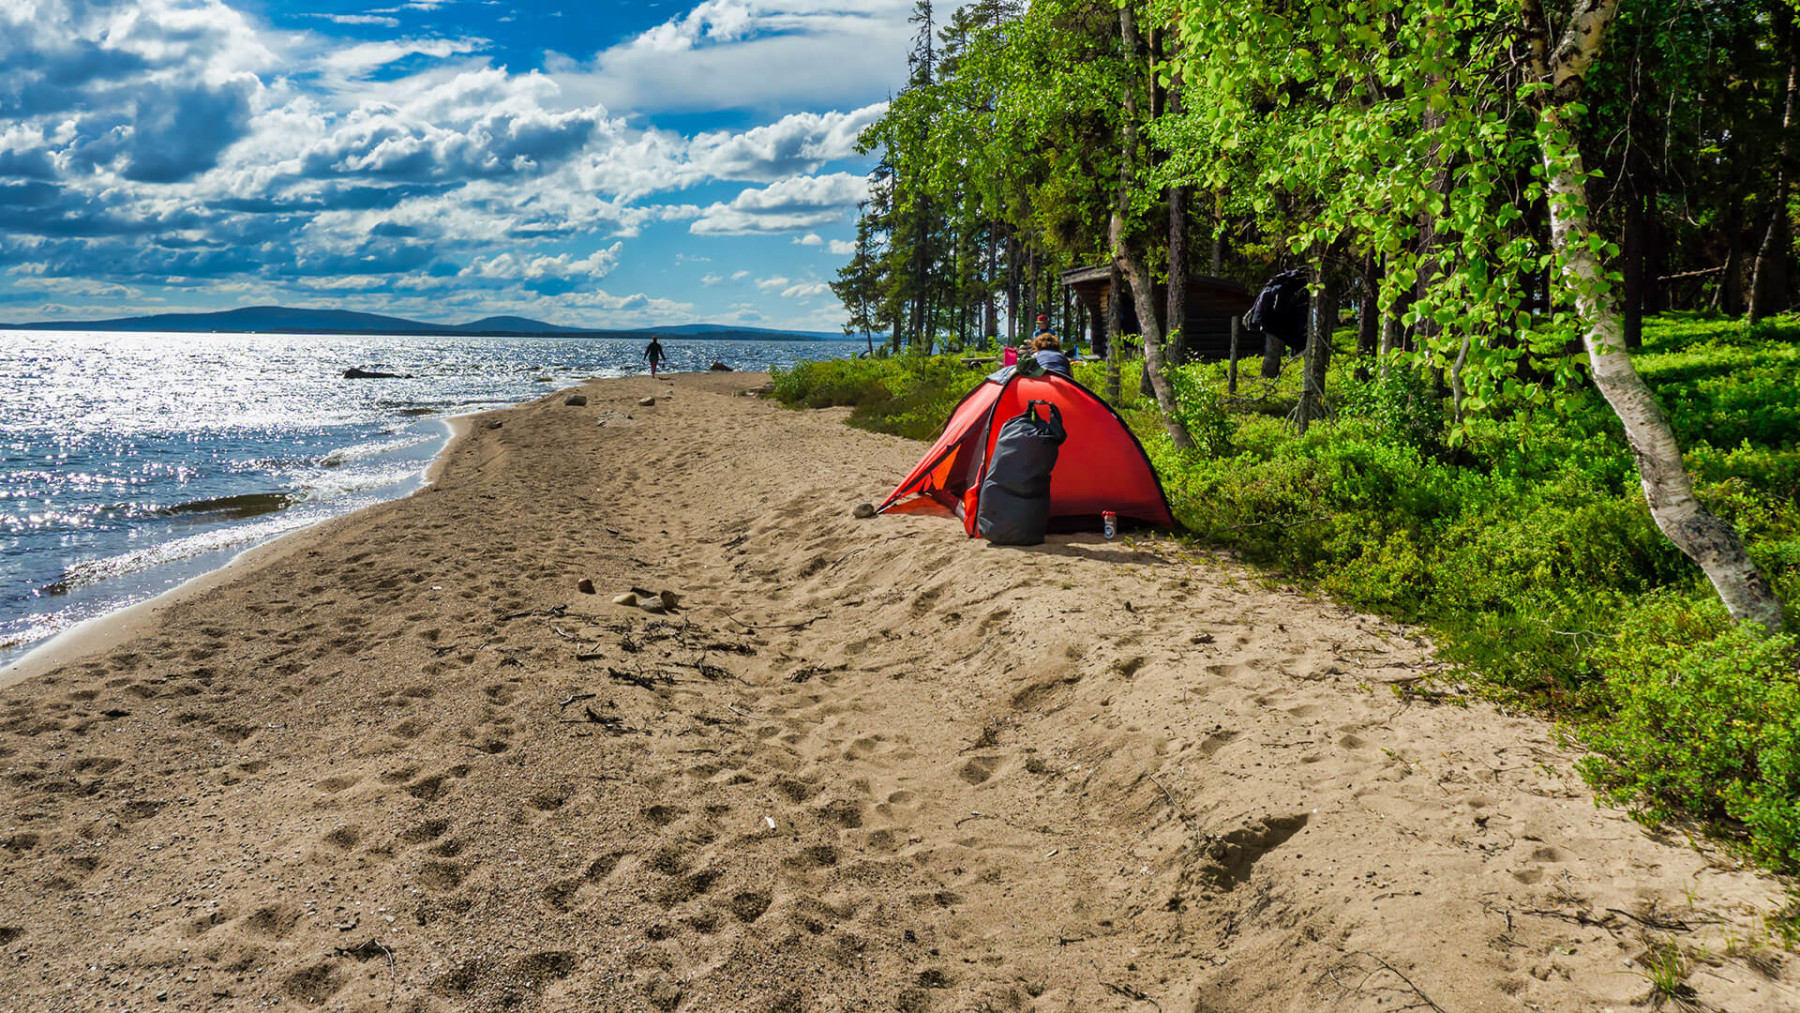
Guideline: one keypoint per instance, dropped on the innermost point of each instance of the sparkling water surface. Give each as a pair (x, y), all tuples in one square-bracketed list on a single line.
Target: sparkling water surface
[(132, 462)]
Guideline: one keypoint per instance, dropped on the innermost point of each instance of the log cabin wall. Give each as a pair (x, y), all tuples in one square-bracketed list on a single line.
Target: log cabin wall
[(1212, 303)]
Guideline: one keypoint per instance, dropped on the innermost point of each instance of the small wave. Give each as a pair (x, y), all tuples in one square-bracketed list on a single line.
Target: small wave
[(337, 484), (364, 451), (93, 571)]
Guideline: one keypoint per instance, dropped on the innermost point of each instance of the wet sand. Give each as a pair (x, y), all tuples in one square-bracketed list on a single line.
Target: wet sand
[(400, 762)]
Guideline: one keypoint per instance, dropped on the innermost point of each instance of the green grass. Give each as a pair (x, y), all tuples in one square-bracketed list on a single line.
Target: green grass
[(1523, 542)]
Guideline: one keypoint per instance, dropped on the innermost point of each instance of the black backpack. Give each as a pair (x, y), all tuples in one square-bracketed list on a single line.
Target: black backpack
[(1280, 308), (1015, 492)]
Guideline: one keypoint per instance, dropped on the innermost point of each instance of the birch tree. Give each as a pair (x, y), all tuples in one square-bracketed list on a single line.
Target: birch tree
[(1560, 61)]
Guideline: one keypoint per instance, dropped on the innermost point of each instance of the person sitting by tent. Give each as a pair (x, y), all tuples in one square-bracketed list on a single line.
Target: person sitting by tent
[(1042, 355), (1046, 348)]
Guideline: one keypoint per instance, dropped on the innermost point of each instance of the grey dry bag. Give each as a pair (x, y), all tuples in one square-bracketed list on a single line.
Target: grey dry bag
[(1015, 493)]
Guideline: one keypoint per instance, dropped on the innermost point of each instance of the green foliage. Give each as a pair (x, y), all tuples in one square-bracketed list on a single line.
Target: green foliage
[(1201, 410), (1401, 404), (1705, 721), (904, 395)]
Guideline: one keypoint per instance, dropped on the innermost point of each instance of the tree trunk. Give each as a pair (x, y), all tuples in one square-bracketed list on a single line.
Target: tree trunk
[(1631, 256), (1128, 260), (1457, 390), (1178, 252), (1368, 317), (1319, 321), (1237, 327), (1702, 537), (1012, 290), (990, 322), (1178, 275), (1115, 327), (1729, 296), (1768, 282)]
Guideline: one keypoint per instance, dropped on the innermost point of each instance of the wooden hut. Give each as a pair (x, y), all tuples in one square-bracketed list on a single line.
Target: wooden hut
[(1211, 305)]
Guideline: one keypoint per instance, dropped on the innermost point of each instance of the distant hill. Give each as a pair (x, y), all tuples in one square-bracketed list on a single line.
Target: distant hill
[(511, 325), (712, 330), (287, 320)]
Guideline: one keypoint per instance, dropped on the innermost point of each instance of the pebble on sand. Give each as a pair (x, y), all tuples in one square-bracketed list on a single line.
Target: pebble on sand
[(863, 511), (646, 401), (495, 424), (670, 599), (627, 599), (585, 586), (575, 399)]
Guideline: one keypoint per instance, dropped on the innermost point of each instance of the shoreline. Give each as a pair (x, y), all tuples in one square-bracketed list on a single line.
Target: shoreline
[(408, 762), (96, 634)]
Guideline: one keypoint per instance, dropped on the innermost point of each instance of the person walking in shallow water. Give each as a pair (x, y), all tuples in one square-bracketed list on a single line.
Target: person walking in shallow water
[(654, 354)]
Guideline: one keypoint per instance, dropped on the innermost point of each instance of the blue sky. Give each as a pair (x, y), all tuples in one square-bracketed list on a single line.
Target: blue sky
[(594, 163)]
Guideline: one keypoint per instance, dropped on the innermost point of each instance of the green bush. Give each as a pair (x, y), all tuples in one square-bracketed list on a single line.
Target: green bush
[(1199, 407), (1704, 720), (1401, 403), (905, 395)]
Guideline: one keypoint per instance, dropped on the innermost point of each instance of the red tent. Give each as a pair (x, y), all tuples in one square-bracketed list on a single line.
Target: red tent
[(1101, 467)]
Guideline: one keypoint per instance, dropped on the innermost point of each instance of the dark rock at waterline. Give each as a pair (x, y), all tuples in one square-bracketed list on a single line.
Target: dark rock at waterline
[(577, 400), (719, 367), (354, 373), (235, 508)]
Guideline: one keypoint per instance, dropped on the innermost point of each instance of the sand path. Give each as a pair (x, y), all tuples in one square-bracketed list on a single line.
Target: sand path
[(401, 763)]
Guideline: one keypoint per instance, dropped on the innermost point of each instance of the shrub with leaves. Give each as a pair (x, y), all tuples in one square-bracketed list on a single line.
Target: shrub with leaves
[(1200, 409), (1401, 403), (1705, 721)]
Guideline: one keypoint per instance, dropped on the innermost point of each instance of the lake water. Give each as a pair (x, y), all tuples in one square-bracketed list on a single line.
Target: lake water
[(132, 462)]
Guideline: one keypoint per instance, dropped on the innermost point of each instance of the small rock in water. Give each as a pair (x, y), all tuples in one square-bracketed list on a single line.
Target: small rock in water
[(719, 367), (495, 425), (628, 600), (670, 600), (585, 586), (863, 511), (575, 399), (646, 401)]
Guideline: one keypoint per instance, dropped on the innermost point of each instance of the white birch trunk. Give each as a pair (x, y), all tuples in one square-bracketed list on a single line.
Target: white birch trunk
[(1711, 543)]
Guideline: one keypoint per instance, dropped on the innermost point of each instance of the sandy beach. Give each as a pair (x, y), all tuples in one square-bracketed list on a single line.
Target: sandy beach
[(400, 761)]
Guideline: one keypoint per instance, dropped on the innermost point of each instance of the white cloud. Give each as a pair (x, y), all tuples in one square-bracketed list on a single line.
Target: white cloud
[(739, 275), (806, 290), (360, 60), (843, 247), (755, 54), (798, 142), (710, 280), (810, 239), (358, 19), (786, 206), (770, 284), (507, 266)]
